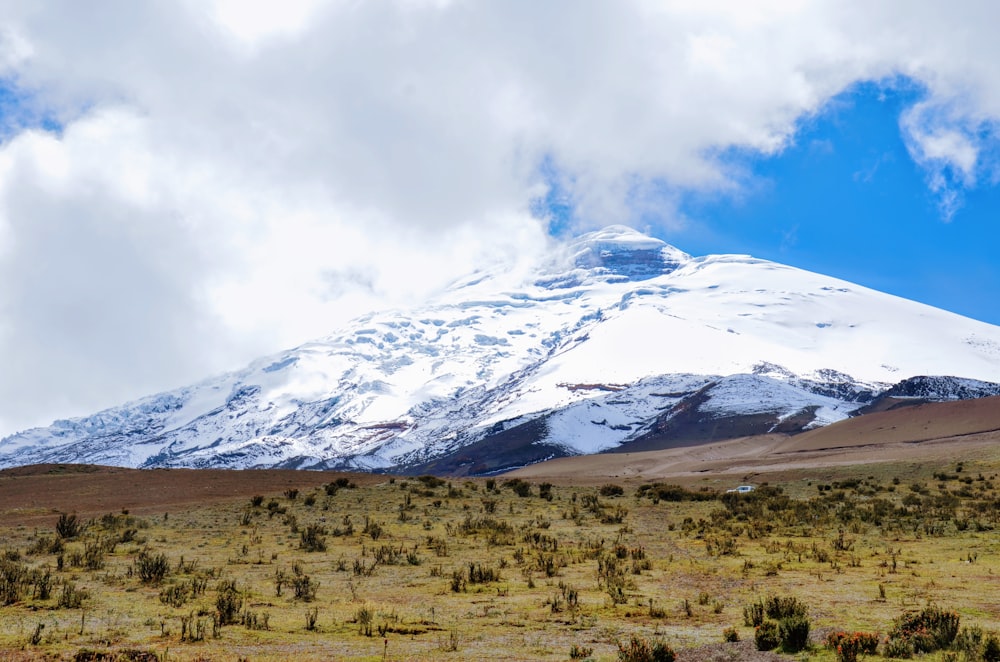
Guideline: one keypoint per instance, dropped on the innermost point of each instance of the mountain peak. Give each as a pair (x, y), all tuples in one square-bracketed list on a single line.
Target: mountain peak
[(505, 369), (624, 251)]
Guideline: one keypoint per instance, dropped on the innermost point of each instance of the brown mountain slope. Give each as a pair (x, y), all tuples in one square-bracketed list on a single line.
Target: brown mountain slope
[(937, 432), (908, 424)]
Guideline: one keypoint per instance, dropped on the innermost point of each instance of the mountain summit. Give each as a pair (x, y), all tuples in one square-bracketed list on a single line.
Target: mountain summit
[(622, 251), (624, 342)]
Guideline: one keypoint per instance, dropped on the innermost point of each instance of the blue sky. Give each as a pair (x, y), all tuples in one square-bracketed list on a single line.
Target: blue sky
[(186, 186), (846, 199)]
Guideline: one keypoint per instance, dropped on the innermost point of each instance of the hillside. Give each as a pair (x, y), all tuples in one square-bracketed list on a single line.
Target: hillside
[(935, 433)]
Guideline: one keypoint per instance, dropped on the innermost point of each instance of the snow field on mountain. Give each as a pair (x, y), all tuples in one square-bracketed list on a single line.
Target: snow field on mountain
[(599, 346)]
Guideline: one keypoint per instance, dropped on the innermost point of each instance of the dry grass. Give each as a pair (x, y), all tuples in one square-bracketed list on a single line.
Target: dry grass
[(535, 590)]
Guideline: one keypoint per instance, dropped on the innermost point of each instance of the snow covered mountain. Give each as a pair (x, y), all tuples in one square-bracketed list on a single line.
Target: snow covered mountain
[(620, 342)]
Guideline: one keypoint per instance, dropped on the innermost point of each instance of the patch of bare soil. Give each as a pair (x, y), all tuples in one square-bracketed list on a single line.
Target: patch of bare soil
[(33, 494)]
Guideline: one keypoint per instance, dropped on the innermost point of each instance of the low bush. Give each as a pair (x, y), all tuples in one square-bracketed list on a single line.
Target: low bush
[(753, 614), (674, 493), (482, 574), (312, 538), (151, 568), (991, 648), (766, 637), (794, 633), (520, 487), (898, 648), (643, 650), (303, 586), (228, 603), (777, 607), (68, 526), (927, 630), (848, 646)]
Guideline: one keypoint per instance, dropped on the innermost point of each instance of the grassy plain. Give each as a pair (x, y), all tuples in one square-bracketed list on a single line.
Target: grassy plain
[(431, 569)]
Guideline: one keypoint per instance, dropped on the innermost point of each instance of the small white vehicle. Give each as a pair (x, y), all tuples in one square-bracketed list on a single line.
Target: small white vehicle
[(742, 489)]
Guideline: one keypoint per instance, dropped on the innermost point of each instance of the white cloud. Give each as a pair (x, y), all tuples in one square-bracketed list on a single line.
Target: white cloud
[(944, 144), (232, 177), (253, 21)]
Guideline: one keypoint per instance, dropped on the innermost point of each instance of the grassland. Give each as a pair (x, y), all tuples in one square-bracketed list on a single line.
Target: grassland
[(429, 569)]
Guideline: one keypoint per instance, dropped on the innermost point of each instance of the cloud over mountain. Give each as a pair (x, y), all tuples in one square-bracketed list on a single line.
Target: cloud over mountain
[(186, 185)]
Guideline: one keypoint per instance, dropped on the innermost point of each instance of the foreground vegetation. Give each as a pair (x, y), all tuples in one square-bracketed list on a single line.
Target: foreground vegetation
[(838, 566)]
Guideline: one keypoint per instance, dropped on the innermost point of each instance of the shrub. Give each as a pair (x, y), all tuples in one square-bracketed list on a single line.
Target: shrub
[(305, 589), (68, 526), (521, 488), (312, 538), (71, 597), (14, 580), (46, 545), (927, 630), (765, 636), (675, 493), (611, 490), (93, 555), (431, 482), (340, 484), (846, 647), (753, 614), (43, 584), (616, 516), (794, 633), (778, 608), (642, 650), (151, 568), (482, 574), (372, 528), (311, 616), (991, 648), (730, 635), (898, 648), (364, 617), (174, 595), (228, 602), (458, 582), (580, 652), (969, 642)]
